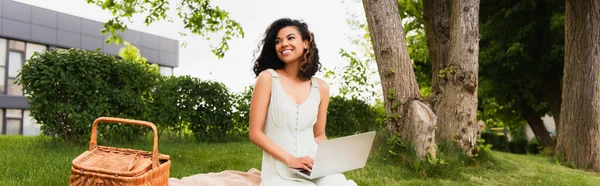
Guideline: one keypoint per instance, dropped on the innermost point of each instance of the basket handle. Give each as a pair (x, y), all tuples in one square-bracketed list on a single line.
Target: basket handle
[(94, 143)]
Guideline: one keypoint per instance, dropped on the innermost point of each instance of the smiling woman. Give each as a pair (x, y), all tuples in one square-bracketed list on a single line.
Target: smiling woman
[(293, 37), (288, 109)]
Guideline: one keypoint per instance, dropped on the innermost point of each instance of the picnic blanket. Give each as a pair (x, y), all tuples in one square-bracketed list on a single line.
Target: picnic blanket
[(224, 178)]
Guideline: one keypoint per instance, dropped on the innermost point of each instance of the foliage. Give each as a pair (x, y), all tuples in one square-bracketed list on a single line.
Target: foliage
[(198, 17), (204, 107), (131, 53), (533, 147), (69, 89), (355, 79), (411, 12), (172, 106), (241, 116), (519, 57), (212, 119), (350, 116), (499, 143), (517, 145), (359, 78), (482, 147), (450, 159)]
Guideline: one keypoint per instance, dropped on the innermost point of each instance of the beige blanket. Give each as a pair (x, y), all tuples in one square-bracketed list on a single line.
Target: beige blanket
[(225, 178)]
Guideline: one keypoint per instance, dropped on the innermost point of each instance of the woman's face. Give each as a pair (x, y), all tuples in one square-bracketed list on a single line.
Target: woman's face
[(289, 45)]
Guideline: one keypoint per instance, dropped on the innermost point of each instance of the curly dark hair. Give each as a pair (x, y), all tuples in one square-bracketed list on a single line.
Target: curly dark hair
[(268, 56)]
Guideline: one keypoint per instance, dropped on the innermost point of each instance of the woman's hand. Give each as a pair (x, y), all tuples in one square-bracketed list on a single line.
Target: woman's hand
[(305, 162)]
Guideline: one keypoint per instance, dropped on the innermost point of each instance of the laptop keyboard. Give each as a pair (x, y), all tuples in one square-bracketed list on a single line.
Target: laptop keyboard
[(304, 172)]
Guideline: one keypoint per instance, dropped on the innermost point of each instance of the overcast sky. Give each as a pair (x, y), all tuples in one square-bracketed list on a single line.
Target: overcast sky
[(325, 18)]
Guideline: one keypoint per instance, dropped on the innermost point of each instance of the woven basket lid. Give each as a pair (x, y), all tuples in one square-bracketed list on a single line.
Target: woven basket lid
[(114, 161)]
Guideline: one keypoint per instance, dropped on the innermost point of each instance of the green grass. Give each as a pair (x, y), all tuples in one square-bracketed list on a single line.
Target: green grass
[(42, 161)]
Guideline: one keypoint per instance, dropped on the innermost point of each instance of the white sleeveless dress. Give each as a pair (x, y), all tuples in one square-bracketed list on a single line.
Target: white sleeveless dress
[(290, 126)]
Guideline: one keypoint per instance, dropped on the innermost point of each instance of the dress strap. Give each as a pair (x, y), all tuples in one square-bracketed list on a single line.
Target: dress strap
[(315, 84), (273, 73)]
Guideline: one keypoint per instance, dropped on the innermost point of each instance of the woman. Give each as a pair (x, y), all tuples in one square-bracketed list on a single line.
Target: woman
[(289, 106)]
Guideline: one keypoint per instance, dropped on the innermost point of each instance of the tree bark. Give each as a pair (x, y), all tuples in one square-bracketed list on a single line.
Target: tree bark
[(457, 106), (537, 125), (579, 140), (436, 17), (408, 116)]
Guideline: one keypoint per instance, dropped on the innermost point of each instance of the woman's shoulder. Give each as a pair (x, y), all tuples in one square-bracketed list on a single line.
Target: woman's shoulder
[(263, 81), (323, 86), (265, 74)]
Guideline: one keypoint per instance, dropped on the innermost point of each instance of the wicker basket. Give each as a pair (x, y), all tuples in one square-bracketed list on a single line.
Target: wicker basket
[(102, 165)]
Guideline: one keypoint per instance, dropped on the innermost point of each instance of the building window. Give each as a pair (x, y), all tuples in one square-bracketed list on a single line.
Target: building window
[(14, 121), (17, 45), (30, 127), (2, 67), (32, 48), (18, 53), (15, 62), (165, 71)]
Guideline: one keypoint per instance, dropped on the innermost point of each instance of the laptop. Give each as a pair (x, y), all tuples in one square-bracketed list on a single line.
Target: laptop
[(340, 155)]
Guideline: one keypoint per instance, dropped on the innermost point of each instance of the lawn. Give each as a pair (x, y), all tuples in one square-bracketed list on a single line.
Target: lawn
[(43, 161)]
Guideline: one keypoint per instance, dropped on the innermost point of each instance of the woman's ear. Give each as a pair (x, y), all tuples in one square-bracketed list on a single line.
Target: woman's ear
[(305, 45)]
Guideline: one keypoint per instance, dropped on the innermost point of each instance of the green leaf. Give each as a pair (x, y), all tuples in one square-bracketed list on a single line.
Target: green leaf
[(198, 17)]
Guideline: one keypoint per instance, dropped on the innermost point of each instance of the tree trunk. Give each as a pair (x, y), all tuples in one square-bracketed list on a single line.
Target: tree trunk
[(579, 140), (537, 125), (407, 114), (457, 107), (436, 20)]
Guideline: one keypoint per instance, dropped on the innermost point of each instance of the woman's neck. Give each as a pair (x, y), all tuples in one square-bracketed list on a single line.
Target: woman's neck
[(291, 70)]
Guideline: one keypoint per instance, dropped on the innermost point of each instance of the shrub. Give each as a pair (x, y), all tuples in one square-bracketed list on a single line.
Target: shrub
[(518, 146), (213, 111), (499, 143), (187, 103), (533, 147), (69, 89), (349, 116), (241, 114)]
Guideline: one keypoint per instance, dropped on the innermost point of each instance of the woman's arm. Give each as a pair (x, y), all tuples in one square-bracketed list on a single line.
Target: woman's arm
[(319, 128), (258, 113)]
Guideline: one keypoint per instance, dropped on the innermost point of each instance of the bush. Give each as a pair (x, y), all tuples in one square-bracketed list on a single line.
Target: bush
[(518, 146), (349, 116), (213, 112), (533, 147), (204, 107), (171, 105), (69, 89), (241, 114), (499, 143)]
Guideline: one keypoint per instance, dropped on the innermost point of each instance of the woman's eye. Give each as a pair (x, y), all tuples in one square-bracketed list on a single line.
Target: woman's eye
[(290, 38)]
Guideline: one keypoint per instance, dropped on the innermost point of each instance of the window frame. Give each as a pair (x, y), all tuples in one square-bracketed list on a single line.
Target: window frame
[(20, 122), (8, 51)]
